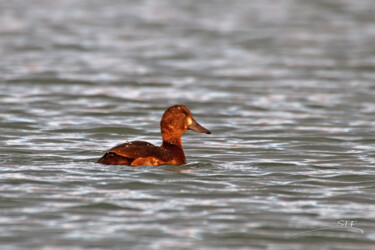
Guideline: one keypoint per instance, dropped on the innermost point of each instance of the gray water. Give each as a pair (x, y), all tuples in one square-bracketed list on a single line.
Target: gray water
[(286, 87)]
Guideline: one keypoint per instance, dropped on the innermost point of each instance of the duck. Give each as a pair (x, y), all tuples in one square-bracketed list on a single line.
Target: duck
[(175, 121)]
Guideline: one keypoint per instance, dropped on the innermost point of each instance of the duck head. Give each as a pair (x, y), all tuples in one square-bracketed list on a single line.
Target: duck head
[(176, 121)]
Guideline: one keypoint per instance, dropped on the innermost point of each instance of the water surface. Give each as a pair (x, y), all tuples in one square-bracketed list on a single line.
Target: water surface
[(286, 87)]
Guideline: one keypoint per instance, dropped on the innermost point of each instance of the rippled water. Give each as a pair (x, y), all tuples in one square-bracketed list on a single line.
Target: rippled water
[(287, 88)]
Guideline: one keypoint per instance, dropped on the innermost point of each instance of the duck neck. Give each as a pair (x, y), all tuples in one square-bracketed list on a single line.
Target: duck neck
[(174, 145), (175, 141)]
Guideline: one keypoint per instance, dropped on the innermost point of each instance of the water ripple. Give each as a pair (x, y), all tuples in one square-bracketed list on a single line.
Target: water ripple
[(285, 87)]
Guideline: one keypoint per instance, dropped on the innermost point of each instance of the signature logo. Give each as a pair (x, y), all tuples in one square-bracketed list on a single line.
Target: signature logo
[(347, 225)]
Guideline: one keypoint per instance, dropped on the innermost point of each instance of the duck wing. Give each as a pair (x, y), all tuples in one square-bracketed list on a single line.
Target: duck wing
[(140, 149)]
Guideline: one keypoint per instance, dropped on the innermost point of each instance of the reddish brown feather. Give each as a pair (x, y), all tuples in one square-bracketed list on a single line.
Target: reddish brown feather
[(137, 149)]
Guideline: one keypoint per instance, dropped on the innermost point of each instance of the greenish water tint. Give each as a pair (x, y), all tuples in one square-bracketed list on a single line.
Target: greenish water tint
[(286, 87)]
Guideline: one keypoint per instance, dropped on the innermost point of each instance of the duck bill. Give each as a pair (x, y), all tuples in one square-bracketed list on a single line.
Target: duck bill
[(198, 128)]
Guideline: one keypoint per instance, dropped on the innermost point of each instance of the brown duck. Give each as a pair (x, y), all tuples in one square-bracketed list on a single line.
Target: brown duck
[(174, 123)]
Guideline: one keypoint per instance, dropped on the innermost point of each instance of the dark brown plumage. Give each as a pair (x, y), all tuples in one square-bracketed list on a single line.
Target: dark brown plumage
[(174, 123)]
